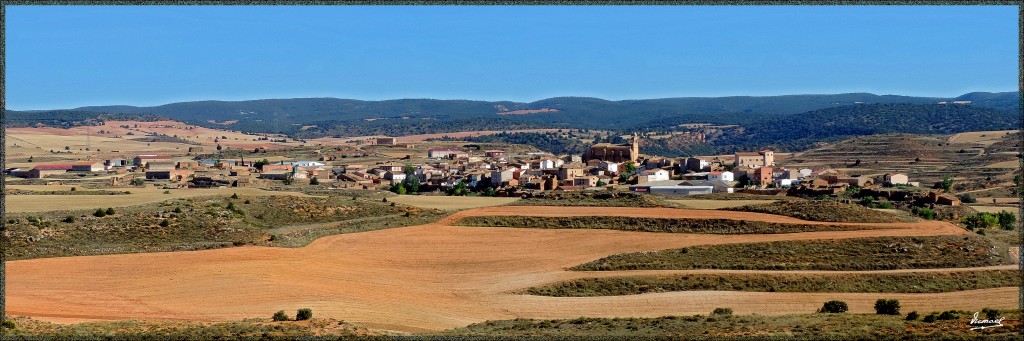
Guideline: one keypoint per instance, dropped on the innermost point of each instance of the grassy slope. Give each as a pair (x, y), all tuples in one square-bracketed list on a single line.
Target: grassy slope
[(203, 223), (714, 226), (876, 253), (880, 283), (823, 211), (786, 327)]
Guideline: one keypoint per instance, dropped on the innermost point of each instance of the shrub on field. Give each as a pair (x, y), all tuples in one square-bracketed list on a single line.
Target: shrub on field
[(887, 307), (304, 314), (722, 311), (931, 317), (100, 213), (69, 219), (834, 307), (913, 316), (110, 211), (280, 316)]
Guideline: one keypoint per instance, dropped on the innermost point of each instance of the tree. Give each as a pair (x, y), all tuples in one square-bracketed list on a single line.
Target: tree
[(304, 314), (219, 147), (601, 183), (314, 181), (887, 307), (138, 182), (398, 188), (280, 316), (411, 183), (946, 184), (110, 211), (913, 316), (834, 307), (459, 189), (100, 213), (1007, 220), (490, 191), (629, 167)]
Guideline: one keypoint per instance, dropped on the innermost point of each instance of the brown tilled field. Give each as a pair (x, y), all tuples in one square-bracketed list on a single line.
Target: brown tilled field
[(426, 278)]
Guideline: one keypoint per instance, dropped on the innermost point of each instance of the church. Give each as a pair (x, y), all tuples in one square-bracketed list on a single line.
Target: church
[(614, 152)]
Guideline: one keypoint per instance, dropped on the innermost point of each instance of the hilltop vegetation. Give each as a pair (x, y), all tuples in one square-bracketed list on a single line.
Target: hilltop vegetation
[(876, 253), (830, 211), (795, 132), (666, 225), (784, 123)]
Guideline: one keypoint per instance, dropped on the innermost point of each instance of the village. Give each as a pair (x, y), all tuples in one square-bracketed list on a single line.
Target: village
[(491, 172)]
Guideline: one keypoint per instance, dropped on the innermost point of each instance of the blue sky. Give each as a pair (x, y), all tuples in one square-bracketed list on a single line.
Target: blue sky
[(71, 56)]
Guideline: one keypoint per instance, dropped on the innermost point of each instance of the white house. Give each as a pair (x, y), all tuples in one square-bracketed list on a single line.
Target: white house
[(805, 172), (786, 182), (655, 174), (897, 179), (306, 164), (395, 177), (610, 166), (721, 176), (498, 177)]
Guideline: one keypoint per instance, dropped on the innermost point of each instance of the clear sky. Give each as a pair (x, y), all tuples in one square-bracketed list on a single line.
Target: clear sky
[(71, 56)]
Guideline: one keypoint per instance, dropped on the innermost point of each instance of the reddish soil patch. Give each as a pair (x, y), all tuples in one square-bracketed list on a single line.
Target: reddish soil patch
[(427, 277)]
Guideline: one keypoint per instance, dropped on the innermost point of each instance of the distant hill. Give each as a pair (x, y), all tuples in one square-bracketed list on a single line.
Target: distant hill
[(288, 115), (794, 132), (788, 122)]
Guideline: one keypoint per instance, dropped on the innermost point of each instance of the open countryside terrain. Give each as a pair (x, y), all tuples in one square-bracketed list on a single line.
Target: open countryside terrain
[(462, 275)]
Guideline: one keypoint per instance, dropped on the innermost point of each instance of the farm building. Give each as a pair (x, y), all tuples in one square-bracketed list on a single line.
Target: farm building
[(169, 174), (87, 166), (671, 188), (387, 141), (495, 153), (145, 158), (896, 179), (278, 174), (269, 168), (42, 171)]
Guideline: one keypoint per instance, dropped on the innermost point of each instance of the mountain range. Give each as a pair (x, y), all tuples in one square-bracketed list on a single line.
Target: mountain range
[(766, 118)]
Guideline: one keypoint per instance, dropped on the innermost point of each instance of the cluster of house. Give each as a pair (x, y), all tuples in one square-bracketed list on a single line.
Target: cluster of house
[(492, 169), (155, 167), (753, 171), (604, 164)]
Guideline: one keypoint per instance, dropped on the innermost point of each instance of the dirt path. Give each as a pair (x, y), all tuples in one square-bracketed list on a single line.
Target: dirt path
[(419, 278)]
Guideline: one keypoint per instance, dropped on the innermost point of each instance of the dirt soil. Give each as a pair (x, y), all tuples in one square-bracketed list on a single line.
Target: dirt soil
[(426, 278)]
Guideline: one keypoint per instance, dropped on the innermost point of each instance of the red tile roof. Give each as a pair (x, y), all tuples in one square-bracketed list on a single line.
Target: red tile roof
[(62, 166)]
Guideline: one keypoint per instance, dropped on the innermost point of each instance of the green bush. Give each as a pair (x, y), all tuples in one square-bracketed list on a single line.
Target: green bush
[(314, 181), (722, 311), (1007, 220), (931, 317), (177, 210), (100, 213), (69, 219), (234, 195), (887, 307), (138, 182), (110, 211), (280, 316), (949, 315), (968, 199), (304, 314), (990, 314), (913, 316), (834, 307), (8, 324), (164, 223), (924, 212)]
